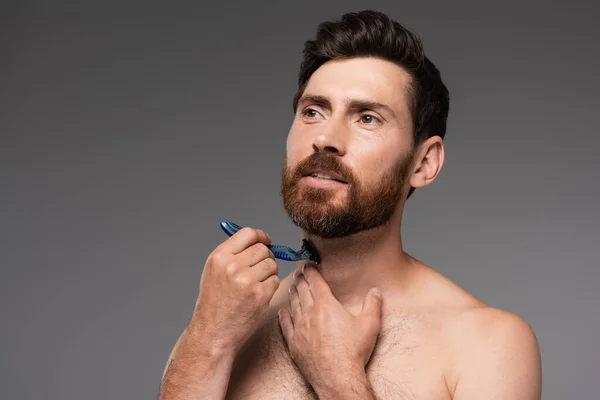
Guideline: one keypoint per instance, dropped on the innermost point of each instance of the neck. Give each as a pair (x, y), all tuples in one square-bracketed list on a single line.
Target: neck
[(353, 265)]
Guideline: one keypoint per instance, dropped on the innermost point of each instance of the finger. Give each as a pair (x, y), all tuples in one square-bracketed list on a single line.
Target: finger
[(318, 285), (286, 324), (372, 306), (263, 270), (295, 308), (254, 254), (271, 284), (304, 293), (245, 238)]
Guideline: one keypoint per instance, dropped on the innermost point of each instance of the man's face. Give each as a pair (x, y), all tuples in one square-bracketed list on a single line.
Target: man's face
[(353, 124)]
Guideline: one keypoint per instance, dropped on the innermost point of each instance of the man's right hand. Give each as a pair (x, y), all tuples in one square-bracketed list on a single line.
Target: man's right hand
[(238, 282)]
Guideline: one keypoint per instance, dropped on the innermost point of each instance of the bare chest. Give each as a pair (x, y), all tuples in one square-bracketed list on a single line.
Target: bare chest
[(405, 364)]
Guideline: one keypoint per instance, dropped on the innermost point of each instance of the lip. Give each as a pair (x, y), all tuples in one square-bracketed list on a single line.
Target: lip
[(322, 182), (334, 175)]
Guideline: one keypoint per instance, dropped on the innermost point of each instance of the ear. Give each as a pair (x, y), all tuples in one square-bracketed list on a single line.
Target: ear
[(428, 162)]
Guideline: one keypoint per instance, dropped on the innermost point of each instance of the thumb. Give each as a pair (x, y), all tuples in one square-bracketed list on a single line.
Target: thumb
[(372, 305)]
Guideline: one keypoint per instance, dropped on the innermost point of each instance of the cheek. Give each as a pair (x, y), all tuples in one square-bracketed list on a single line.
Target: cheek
[(372, 161), (291, 149), (298, 146)]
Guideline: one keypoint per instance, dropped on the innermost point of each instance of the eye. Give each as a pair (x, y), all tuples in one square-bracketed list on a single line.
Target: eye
[(369, 119), (310, 113)]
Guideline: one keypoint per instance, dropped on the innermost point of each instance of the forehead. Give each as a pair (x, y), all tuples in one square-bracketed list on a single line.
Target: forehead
[(364, 78)]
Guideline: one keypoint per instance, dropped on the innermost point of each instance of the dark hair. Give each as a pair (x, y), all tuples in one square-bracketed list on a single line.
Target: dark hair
[(373, 34)]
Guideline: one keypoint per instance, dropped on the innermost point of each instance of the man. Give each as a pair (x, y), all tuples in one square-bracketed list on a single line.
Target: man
[(370, 321)]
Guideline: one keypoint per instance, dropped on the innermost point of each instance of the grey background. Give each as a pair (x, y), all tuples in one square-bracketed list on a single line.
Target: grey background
[(129, 131)]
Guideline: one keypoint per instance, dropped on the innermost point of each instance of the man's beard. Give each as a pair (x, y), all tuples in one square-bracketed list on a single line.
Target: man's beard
[(364, 206)]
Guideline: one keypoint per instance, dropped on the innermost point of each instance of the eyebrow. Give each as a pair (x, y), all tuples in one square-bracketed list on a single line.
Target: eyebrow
[(353, 104)]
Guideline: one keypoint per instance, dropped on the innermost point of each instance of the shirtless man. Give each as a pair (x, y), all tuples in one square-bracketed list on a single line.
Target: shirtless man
[(370, 321)]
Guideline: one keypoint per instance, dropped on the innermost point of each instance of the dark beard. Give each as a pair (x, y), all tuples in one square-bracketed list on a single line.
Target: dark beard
[(365, 207)]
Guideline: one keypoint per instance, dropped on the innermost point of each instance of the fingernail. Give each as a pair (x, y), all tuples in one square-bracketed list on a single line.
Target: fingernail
[(377, 292), (295, 275), (303, 268), (279, 313), (291, 289)]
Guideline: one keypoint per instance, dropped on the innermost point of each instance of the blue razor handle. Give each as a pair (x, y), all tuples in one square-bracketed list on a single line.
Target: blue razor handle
[(307, 252)]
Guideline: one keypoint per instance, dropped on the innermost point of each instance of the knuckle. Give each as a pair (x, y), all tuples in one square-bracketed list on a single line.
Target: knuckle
[(276, 281), (250, 233), (273, 264), (231, 269), (216, 257), (242, 280)]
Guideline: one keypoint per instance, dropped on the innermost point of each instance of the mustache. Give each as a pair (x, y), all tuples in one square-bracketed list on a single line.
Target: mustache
[(324, 162)]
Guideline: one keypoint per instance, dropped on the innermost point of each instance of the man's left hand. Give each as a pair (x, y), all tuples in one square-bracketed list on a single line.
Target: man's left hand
[(329, 345)]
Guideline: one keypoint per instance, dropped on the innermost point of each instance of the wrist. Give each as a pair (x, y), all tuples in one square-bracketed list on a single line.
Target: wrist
[(208, 344), (352, 384), (196, 369)]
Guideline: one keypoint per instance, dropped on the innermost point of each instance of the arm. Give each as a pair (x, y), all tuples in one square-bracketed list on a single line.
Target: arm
[(237, 284), (195, 370), (503, 362), (350, 385)]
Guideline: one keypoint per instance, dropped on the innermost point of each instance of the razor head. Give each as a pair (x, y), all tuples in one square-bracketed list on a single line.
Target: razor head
[(314, 256)]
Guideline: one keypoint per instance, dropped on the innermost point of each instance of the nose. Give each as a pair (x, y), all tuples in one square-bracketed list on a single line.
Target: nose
[(331, 139)]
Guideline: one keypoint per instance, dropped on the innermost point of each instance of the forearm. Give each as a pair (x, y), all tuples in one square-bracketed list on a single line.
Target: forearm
[(353, 386), (196, 371)]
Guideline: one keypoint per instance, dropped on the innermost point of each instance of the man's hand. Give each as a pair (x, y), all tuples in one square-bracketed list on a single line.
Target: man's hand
[(238, 282), (330, 346)]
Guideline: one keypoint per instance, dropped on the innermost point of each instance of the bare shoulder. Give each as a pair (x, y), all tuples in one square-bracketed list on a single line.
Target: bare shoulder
[(495, 353), (469, 320), (485, 331)]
